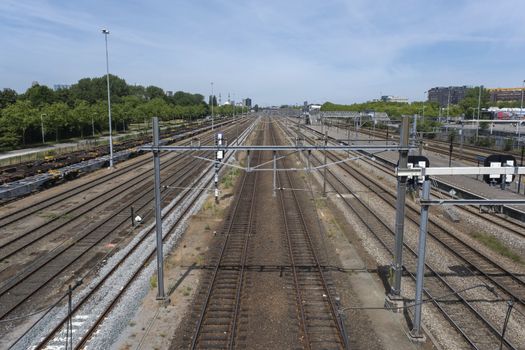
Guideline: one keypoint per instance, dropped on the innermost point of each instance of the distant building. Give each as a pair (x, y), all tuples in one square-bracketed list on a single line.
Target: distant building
[(247, 102), (169, 93), (441, 95), (505, 94), (61, 86), (389, 98)]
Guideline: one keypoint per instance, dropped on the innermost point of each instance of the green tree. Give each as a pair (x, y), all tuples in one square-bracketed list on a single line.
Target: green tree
[(39, 95), (82, 115), (154, 92), (57, 118), (7, 97), (19, 117)]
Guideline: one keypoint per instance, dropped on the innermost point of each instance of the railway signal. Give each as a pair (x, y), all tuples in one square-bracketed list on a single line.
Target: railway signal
[(498, 161), (417, 162), (219, 155)]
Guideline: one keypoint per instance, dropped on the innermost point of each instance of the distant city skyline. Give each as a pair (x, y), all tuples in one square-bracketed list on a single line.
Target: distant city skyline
[(274, 52)]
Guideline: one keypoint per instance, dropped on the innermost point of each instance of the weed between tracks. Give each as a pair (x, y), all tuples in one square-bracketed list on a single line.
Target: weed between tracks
[(495, 245), (229, 179), (52, 216), (153, 281)]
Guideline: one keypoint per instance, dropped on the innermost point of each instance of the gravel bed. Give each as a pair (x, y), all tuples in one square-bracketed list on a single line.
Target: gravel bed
[(440, 259), (109, 330)]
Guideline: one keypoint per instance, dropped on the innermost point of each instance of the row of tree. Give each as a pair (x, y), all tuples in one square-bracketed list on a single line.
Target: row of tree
[(466, 107), (81, 110)]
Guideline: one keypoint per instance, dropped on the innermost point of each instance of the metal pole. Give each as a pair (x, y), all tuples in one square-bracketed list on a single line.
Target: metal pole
[(400, 211), (274, 173), (42, 126), (106, 32), (479, 111), (510, 305), (414, 131), (348, 137), (212, 106), (448, 103), (421, 259), (451, 149), (158, 212), (324, 169), (92, 125), (462, 138), (521, 164)]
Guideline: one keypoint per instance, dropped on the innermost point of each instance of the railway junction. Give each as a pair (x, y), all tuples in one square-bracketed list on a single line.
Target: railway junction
[(266, 233)]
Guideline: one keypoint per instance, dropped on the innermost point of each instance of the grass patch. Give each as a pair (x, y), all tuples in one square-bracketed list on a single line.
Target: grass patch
[(50, 216), (153, 282), (199, 260), (496, 246), (229, 179), (187, 291), (320, 202)]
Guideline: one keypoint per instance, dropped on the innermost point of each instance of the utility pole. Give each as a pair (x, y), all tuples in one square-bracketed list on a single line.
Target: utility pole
[(324, 169), (521, 164), (92, 125), (400, 216), (448, 103), (212, 106), (479, 112), (158, 211), (416, 329), (42, 127)]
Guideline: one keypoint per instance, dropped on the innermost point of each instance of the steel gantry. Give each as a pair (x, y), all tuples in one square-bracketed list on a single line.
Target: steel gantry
[(404, 173)]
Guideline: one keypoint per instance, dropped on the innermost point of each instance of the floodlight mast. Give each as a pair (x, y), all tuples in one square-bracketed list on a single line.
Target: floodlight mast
[(106, 33)]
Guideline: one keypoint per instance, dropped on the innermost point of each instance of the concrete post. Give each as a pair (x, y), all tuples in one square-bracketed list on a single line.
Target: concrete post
[(400, 212), (158, 211), (416, 330)]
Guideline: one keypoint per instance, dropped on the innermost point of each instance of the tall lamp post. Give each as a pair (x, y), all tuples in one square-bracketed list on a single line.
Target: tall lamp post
[(212, 105), (106, 33), (93, 125), (42, 127)]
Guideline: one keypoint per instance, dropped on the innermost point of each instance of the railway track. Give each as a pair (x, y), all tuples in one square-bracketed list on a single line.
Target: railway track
[(9, 173), (56, 335), (14, 244), (322, 327), (46, 267), (388, 168), (476, 329), (217, 322), (470, 152), (475, 261), (22, 213), (222, 314)]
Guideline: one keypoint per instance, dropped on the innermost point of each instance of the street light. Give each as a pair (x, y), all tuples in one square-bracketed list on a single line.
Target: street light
[(93, 125), (42, 126), (106, 33)]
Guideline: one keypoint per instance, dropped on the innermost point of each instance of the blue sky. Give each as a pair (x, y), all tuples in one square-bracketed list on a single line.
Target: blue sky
[(276, 52)]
